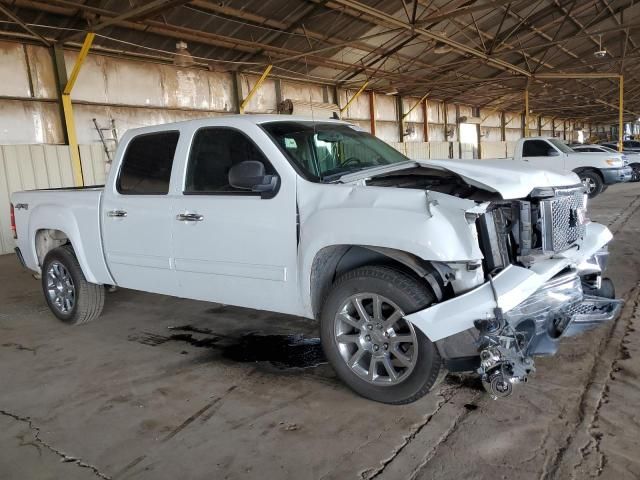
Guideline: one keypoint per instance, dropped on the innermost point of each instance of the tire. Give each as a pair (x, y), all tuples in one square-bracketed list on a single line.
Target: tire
[(593, 183), (68, 294), (343, 331), (635, 177)]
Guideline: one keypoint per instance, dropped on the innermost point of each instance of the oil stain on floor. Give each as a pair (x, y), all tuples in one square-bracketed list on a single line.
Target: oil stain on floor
[(281, 351)]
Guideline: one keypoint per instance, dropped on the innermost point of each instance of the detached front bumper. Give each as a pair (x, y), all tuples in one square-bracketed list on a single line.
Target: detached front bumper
[(511, 287), (616, 175)]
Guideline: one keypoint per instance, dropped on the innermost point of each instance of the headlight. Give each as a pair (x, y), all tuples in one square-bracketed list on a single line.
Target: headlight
[(614, 162)]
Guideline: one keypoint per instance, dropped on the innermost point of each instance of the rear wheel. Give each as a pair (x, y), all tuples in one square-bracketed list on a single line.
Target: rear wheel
[(70, 297), (592, 182), (635, 175), (372, 348)]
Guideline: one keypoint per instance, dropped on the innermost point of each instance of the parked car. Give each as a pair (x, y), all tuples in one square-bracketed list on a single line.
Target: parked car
[(596, 170), (412, 268), (627, 146), (632, 158)]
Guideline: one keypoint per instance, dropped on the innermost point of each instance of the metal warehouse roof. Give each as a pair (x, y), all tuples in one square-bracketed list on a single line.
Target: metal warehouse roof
[(481, 52)]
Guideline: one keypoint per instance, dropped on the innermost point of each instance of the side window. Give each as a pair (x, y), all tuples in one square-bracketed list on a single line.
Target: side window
[(146, 166), (535, 148), (213, 152)]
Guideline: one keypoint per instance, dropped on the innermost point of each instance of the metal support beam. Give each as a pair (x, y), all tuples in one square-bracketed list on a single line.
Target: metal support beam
[(425, 117), (526, 112), (25, 27), (446, 120), (144, 10), (400, 116), (255, 88), (67, 108), (390, 20), (356, 95), (621, 115), (372, 111)]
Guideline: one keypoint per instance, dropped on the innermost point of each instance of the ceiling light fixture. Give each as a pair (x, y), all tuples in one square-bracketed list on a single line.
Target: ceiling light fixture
[(182, 57), (601, 52)]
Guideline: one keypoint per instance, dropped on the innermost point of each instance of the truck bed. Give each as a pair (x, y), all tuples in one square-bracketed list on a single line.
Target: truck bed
[(74, 211)]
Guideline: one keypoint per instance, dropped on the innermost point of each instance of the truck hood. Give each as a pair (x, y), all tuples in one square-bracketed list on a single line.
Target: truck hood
[(510, 178)]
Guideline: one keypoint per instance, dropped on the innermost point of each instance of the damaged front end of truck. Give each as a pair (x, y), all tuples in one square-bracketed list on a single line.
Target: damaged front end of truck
[(541, 278)]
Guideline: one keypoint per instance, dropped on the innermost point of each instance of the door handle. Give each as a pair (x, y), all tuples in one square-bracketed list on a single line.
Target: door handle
[(116, 213), (189, 217)]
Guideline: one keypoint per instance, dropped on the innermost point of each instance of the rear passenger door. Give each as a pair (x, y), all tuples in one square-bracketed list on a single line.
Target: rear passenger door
[(541, 154), (234, 246), (136, 221)]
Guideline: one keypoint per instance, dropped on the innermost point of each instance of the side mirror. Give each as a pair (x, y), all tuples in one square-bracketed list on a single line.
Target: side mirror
[(552, 152), (250, 175)]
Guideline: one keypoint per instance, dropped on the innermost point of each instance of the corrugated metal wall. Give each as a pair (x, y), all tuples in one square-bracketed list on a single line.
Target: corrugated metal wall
[(28, 167)]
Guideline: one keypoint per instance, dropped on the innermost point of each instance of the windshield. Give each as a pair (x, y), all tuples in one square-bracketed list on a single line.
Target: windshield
[(326, 151), (560, 145)]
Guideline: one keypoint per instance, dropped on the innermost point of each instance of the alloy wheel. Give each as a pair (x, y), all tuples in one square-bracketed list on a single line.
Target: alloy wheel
[(60, 288), (374, 339)]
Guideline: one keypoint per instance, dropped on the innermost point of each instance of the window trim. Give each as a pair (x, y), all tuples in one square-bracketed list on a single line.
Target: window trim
[(239, 193), (124, 156)]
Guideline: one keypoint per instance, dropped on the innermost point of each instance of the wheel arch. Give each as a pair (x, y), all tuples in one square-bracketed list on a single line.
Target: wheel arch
[(332, 261), (53, 225), (580, 170)]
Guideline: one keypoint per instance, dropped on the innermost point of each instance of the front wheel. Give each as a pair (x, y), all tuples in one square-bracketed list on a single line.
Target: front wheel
[(635, 175), (592, 182), (367, 341), (70, 297)]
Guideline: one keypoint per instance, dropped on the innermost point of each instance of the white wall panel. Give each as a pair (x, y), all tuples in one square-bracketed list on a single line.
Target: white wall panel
[(28, 167), (416, 115), (417, 150), (400, 146), (388, 131), (264, 100), (303, 92), (359, 108), (94, 161), (436, 132), (494, 149), (466, 150), (29, 122), (43, 76), (439, 150), (14, 71), (386, 108)]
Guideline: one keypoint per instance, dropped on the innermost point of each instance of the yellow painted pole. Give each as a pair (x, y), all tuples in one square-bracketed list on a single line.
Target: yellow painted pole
[(424, 97), (255, 88), (67, 109), (621, 113), (357, 94), (526, 112)]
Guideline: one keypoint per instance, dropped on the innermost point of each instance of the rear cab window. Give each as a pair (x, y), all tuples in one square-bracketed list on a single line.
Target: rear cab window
[(147, 163)]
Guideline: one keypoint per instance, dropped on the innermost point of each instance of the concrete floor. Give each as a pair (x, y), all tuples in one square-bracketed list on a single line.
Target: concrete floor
[(128, 397)]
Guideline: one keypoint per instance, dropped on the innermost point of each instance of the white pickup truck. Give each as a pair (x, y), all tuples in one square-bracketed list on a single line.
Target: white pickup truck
[(596, 170), (412, 268)]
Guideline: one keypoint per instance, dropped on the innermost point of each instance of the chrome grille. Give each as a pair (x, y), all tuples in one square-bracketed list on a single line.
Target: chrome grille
[(563, 219)]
